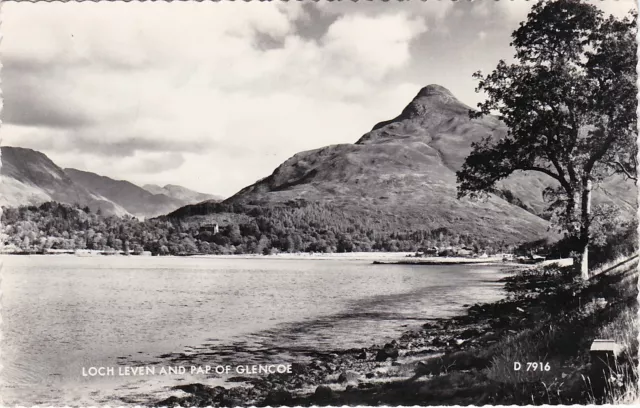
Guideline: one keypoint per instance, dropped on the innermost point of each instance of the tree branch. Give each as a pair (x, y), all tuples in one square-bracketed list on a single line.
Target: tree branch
[(543, 170), (572, 144), (568, 187), (598, 154), (617, 165)]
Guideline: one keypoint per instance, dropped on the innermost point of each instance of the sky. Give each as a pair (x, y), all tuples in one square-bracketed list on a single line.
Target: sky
[(215, 95)]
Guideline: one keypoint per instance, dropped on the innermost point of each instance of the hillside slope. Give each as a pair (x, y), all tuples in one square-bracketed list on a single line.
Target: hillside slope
[(30, 177), (436, 118), (402, 175), (136, 200), (181, 193)]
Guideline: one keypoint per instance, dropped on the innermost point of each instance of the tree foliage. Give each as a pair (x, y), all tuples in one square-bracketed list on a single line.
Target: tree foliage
[(310, 227), (569, 102)]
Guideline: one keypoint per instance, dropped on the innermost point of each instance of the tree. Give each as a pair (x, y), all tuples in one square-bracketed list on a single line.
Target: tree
[(263, 246), (569, 103), (233, 232), (26, 244)]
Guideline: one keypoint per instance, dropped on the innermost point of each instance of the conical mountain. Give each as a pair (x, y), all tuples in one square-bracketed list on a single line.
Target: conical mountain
[(405, 167), (401, 174)]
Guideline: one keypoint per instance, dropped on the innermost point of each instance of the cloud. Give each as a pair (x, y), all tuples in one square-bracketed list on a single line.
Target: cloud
[(214, 96), (156, 163), (44, 110), (517, 10), (174, 89), (143, 164), (432, 9), (371, 47), (619, 8), (514, 10)]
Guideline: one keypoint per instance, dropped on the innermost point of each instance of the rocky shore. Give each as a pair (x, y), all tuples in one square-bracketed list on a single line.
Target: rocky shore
[(444, 261), (463, 360)]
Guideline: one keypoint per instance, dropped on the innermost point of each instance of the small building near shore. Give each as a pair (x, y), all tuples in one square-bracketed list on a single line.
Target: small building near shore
[(213, 228), (465, 252), (433, 251)]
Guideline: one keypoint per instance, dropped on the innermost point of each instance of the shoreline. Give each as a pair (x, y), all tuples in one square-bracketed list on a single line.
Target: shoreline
[(473, 261), (453, 260), (462, 360), (342, 256), (388, 258), (287, 256), (375, 258), (348, 369)]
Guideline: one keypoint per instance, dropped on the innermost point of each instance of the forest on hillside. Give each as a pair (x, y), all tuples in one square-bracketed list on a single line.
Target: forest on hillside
[(310, 227), (306, 228)]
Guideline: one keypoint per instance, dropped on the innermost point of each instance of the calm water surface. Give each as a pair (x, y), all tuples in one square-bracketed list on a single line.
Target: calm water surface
[(63, 313)]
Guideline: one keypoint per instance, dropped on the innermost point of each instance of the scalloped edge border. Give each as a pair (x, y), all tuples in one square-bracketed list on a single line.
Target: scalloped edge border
[(286, 1)]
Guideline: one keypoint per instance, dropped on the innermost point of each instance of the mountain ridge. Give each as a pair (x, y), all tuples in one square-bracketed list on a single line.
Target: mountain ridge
[(29, 177), (181, 193), (401, 170), (134, 199), (437, 124)]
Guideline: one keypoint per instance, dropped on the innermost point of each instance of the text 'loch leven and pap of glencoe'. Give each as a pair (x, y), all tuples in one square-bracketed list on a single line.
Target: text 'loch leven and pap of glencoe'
[(128, 371)]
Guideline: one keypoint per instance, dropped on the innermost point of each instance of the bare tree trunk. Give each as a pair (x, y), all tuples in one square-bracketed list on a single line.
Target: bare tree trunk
[(572, 216), (585, 217)]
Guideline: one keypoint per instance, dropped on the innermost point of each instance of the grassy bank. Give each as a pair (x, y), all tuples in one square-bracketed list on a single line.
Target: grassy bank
[(549, 317)]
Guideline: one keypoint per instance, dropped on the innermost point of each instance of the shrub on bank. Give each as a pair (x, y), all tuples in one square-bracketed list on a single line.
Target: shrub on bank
[(550, 317)]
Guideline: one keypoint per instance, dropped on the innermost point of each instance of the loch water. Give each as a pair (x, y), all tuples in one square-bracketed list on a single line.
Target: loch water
[(62, 315)]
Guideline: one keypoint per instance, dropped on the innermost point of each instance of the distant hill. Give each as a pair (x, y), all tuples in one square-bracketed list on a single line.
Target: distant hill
[(181, 193), (131, 197), (30, 177), (401, 177), (137, 200)]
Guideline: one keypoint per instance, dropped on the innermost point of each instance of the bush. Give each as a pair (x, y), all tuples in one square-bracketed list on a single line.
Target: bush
[(623, 242)]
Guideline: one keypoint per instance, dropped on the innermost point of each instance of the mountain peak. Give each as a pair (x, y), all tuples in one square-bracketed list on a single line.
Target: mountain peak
[(433, 105), (435, 96), (434, 90)]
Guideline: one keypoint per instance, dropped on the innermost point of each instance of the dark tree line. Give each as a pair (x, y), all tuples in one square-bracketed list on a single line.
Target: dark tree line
[(309, 227)]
